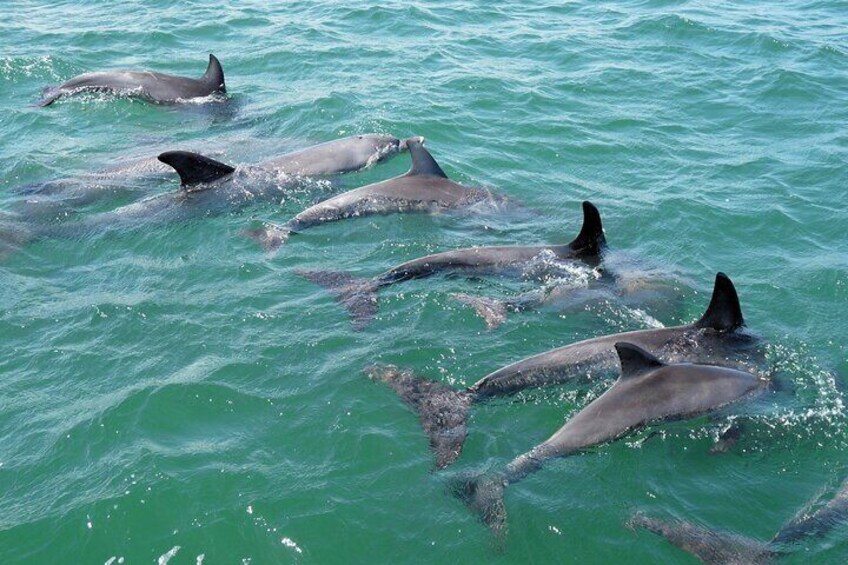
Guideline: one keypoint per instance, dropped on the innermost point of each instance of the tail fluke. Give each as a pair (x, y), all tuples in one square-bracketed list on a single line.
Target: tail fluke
[(493, 311), (484, 496), (195, 169), (443, 411), (359, 296), (707, 545), (269, 236)]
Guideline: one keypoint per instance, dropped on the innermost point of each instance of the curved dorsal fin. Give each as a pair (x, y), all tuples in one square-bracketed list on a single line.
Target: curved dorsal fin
[(422, 162), (193, 168), (635, 360), (590, 240), (724, 313), (214, 74)]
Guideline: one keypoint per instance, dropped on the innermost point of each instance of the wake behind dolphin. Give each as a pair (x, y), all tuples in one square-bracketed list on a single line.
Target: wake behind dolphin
[(359, 296), (155, 87), (424, 188), (714, 338)]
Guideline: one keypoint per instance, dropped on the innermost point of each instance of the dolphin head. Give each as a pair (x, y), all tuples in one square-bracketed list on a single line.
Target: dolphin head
[(379, 146)]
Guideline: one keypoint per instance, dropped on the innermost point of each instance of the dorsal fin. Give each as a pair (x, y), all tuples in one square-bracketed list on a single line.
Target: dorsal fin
[(635, 360), (724, 313), (193, 168), (590, 240), (422, 162), (215, 74)]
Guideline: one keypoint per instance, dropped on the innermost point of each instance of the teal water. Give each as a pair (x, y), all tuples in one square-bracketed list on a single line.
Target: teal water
[(171, 392)]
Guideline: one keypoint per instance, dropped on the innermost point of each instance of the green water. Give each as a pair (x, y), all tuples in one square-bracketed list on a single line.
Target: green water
[(171, 392)]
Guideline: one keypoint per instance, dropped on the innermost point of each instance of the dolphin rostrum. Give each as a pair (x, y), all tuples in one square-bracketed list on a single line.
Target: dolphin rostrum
[(154, 87), (715, 337), (424, 188), (359, 296), (647, 391), (719, 548)]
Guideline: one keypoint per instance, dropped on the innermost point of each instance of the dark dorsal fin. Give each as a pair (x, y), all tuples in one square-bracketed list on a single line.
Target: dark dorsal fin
[(193, 168), (635, 360), (724, 313), (422, 162), (590, 240), (215, 74)]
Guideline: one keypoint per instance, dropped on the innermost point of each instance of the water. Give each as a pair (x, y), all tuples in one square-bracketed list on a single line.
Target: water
[(171, 393)]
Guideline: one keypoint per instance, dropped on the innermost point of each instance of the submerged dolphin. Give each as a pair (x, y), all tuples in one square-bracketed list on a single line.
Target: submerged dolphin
[(338, 156), (155, 87), (719, 548), (648, 390), (425, 188), (715, 337), (359, 296)]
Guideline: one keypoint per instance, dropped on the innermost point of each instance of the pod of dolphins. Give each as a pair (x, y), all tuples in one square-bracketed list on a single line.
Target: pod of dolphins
[(670, 373)]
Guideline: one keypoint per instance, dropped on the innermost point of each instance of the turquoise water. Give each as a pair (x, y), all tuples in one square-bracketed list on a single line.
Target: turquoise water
[(170, 391)]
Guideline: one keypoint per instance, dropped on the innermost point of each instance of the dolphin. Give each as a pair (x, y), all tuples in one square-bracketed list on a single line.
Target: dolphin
[(359, 296), (719, 548), (714, 337), (154, 87), (647, 391), (424, 188), (338, 156), (334, 157), (208, 186)]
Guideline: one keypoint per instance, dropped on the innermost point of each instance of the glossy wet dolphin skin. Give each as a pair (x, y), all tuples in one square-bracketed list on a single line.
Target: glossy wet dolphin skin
[(152, 86)]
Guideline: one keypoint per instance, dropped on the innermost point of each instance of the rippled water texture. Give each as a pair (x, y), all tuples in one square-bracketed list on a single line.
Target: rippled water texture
[(169, 391)]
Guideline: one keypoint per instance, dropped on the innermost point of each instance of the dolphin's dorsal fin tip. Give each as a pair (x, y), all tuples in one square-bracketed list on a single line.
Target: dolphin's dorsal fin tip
[(635, 360), (724, 314), (422, 162), (193, 168)]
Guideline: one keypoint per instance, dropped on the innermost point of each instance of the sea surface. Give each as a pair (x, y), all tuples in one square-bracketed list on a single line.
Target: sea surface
[(171, 393)]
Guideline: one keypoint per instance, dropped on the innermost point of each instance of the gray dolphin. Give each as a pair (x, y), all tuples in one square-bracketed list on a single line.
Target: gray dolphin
[(424, 188), (210, 187), (338, 156), (647, 391), (359, 296), (334, 157), (154, 87), (719, 548), (715, 337)]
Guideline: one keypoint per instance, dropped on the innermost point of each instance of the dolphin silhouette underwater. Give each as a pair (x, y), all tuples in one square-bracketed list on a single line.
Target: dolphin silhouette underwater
[(359, 296), (154, 87), (716, 337), (722, 548), (647, 391), (424, 188)]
